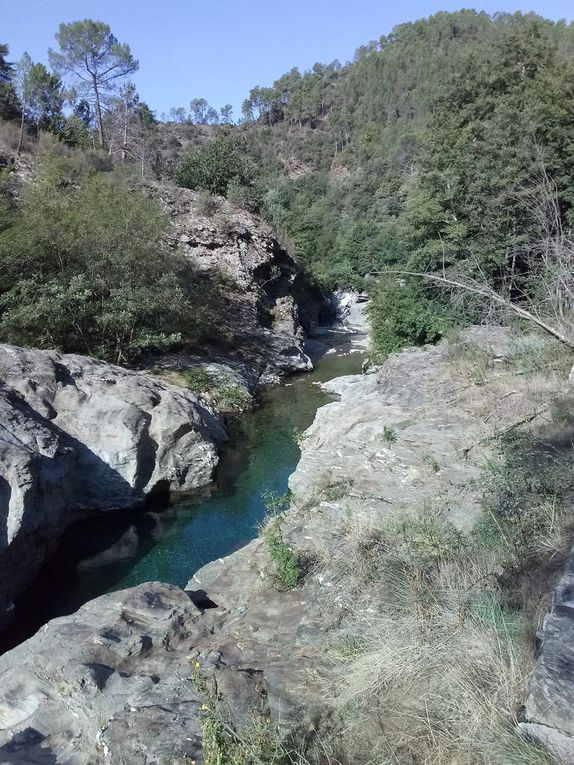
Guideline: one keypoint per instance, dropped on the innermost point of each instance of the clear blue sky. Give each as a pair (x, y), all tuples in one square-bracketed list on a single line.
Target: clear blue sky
[(219, 49)]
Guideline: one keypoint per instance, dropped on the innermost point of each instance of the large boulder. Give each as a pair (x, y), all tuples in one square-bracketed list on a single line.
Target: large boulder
[(124, 681), (112, 683), (77, 436)]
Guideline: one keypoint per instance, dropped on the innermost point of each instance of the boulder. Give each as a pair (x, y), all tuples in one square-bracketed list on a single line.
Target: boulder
[(79, 436)]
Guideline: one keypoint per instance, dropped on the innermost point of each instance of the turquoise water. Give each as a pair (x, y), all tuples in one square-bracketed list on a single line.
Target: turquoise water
[(169, 542)]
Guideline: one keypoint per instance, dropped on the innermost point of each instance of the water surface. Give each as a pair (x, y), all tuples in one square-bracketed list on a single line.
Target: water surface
[(169, 541)]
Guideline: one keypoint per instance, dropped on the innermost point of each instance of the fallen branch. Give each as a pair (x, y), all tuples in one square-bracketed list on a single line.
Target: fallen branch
[(490, 294)]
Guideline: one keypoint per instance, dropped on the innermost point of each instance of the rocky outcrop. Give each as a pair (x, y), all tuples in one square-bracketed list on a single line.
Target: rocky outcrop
[(114, 682), (350, 309), (548, 709), (77, 436), (261, 315)]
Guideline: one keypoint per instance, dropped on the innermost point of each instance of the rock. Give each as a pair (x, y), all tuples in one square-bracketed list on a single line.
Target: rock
[(548, 709), (111, 683), (262, 315), (80, 436), (116, 682)]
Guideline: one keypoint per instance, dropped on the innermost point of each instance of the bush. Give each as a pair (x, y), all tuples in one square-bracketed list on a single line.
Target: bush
[(84, 269), (524, 484), (287, 564), (404, 313), (213, 166)]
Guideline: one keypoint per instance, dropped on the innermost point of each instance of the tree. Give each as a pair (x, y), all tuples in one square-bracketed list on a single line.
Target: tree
[(22, 79), (226, 113), (211, 116), (9, 105), (212, 166), (45, 99), (94, 60), (198, 110), (177, 114), (6, 68)]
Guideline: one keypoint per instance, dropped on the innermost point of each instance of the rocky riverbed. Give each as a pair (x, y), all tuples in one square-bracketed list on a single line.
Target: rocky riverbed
[(115, 681)]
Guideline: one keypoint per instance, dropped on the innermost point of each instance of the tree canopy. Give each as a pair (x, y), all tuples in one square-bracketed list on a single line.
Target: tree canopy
[(93, 59)]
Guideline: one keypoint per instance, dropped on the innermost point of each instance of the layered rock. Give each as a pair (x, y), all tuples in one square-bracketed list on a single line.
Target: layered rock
[(78, 436), (262, 314)]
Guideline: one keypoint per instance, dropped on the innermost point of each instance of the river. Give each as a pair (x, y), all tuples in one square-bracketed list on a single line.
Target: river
[(169, 541)]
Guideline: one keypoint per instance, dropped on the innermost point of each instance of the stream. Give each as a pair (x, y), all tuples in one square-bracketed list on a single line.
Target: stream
[(171, 539)]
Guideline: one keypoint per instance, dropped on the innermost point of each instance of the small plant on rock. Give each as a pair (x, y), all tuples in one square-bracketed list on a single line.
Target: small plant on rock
[(287, 564), (389, 434)]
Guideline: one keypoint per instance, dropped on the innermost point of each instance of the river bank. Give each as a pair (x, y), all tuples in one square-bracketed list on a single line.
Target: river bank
[(173, 537), (398, 600)]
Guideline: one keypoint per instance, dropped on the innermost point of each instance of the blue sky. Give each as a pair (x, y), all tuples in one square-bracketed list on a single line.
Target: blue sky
[(219, 49)]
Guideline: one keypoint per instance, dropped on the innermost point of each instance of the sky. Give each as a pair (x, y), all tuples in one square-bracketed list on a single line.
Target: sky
[(220, 49)]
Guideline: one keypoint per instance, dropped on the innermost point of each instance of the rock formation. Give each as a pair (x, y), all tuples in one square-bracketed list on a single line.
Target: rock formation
[(261, 315), (77, 436)]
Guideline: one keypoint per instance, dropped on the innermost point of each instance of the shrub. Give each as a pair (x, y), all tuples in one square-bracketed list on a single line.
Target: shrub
[(213, 166), (84, 269), (198, 379), (402, 313), (287, 564), (256, 742), (524, 483), (389, 434)]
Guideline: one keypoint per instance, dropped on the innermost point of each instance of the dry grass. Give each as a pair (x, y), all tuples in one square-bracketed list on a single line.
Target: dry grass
[(436, 674), (439, 683), (9, 135)]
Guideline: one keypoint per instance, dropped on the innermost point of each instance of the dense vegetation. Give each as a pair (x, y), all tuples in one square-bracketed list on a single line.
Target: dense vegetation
[(446, 145), (82, 267), (429, 151)]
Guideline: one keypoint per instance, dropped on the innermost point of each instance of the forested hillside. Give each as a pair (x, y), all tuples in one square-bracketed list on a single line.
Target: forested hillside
[(445, 146), (441, 145)]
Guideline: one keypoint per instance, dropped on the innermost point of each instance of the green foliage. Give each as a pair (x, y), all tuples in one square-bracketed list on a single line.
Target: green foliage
[(83, 268), (256, 743), (287, 564), (426, 539), (405, 313), (41, 95), (10, 107), (426, 152), (534, 354), (389, 434), (213, 166), (91, 56), (198, 379)]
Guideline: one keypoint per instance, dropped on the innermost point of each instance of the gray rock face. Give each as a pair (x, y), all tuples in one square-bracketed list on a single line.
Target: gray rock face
[(262, 315), (116, 682), (551, 689), (78, 435), (110, 684)]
